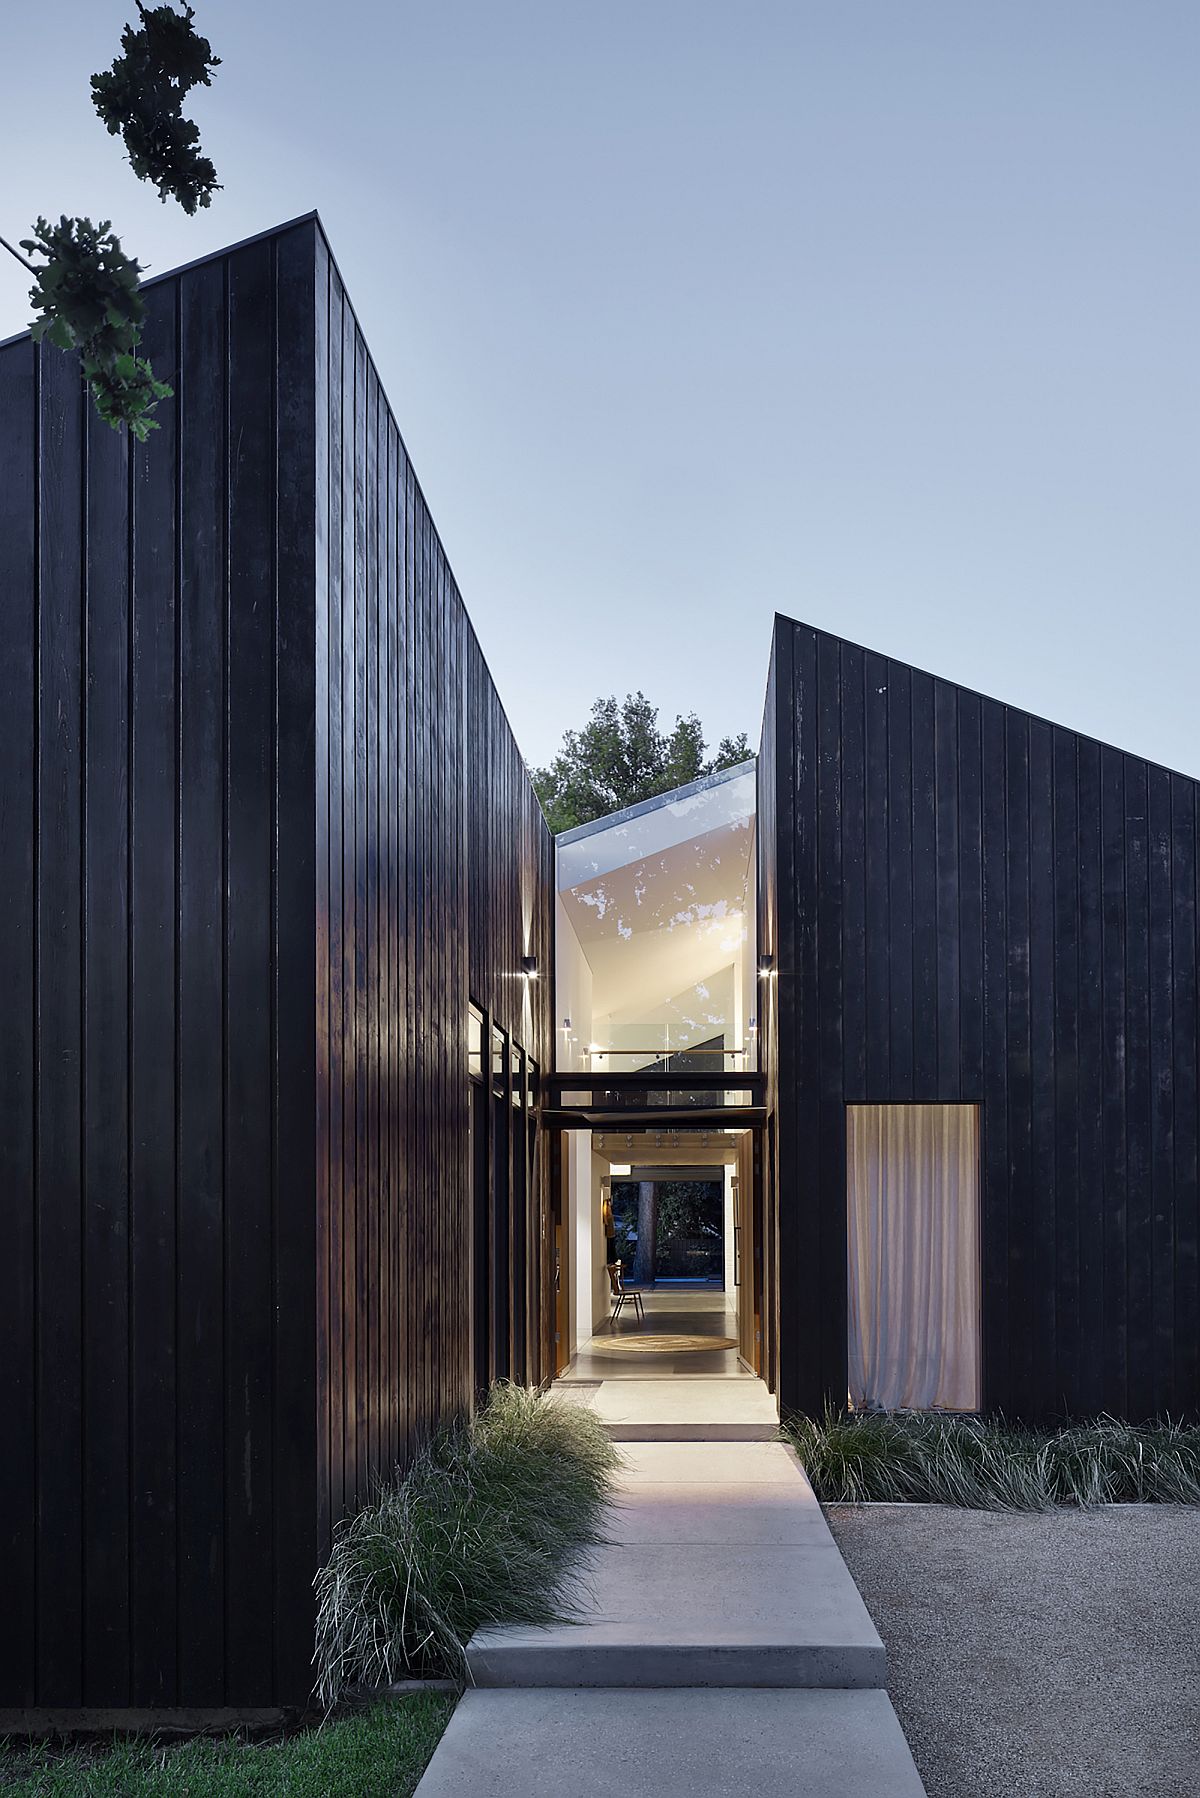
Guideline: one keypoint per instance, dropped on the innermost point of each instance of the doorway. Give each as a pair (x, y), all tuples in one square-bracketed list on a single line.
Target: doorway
[(674, 1230)]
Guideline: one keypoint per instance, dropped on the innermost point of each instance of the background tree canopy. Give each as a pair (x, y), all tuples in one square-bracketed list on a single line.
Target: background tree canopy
[(621, 757), (672, 1229)]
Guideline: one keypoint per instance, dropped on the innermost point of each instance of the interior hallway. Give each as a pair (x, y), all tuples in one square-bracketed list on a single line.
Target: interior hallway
[(645, 1386)]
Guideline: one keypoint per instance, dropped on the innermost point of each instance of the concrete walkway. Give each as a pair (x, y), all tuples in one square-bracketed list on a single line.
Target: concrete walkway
[(723, 1648), (680, 1410), (672, 1744)]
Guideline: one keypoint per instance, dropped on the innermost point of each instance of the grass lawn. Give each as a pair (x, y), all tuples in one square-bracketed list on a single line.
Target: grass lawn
[(378, 1752)]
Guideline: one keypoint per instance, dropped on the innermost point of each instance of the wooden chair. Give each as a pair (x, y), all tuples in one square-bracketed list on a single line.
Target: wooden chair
[(622, 1295)]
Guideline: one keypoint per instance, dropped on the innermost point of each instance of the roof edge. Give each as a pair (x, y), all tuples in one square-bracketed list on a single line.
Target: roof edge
[(1007, 705), (609, 819), (185, 268)]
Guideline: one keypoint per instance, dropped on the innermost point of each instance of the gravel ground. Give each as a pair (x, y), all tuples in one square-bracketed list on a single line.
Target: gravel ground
[(1038, 1656)]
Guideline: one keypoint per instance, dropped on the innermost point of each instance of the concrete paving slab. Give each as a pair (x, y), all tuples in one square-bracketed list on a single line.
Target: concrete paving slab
[(584, 1394), (730, 1463), (778, 1516), (686, 1410), (672, 1744), (699, 1614)]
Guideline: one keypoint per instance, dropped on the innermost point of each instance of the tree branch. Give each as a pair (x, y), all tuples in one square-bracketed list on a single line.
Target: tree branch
[(21, 259)]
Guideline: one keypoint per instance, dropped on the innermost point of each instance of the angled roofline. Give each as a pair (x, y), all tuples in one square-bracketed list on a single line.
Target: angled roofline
[(280, 230), (610, 819), (1007, 705), (242, 243)]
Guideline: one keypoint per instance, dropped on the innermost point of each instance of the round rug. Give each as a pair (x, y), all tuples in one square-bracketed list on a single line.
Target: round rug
[(657, 1345)]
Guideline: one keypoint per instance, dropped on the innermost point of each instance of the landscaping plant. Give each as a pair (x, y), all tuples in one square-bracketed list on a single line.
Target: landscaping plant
[(989, 1464), (486, 1526)]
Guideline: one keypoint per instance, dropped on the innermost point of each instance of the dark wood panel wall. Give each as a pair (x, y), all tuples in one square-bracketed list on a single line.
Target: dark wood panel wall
[(511, 918), (434, 880), (253, 779), (768, 842), (156, 1292), (967, 904)]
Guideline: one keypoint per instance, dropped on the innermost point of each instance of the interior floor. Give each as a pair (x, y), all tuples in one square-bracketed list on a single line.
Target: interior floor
[(659, 1345)]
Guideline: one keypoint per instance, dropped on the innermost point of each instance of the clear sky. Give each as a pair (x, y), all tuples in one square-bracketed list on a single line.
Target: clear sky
[(880, 314)]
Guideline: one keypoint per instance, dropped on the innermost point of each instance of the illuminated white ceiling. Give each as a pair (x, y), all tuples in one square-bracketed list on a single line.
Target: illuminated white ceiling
[(660, 897), (679, 1148)]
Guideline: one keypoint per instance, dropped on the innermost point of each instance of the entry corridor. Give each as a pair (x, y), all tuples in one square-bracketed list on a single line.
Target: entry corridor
[(724, 1648), (679, 1335), (672, 1375)]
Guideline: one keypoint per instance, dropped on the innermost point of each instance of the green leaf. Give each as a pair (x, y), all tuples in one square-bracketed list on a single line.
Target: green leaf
[(86, 298), (141, 98)]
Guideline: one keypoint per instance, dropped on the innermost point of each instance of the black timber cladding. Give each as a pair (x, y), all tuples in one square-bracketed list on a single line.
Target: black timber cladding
[(968, 904), (434, 880), (253, 776)]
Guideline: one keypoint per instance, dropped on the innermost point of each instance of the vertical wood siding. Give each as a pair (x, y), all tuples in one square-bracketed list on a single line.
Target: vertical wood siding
[(435, 877), (157, 1041), (265, 828), (967, 904)]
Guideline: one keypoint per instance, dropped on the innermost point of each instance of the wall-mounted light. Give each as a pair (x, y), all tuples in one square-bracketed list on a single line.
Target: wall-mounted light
[(618, 1168), (529, 967), (753, 1025), (566, 1024), (766, 963)]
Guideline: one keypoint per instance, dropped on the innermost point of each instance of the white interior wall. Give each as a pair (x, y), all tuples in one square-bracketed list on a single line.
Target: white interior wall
[(572, 993), (578, 1167), (747, 972), (694, 1015)]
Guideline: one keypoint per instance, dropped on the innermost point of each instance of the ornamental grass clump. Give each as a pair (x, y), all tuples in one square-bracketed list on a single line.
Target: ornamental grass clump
[(989, 1464), (486, 1526)]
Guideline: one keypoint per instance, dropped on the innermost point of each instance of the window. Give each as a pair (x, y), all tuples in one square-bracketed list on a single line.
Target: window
[(912, 1193), (475, 1043)]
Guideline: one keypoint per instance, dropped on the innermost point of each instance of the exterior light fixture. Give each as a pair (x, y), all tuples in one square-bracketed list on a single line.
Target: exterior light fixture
[(766, 963), (617, 1168), (566, 1023), (753, 1025), (529, 966)]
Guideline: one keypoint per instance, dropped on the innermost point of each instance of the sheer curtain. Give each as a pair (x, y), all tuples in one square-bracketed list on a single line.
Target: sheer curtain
[(912, 1178)]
